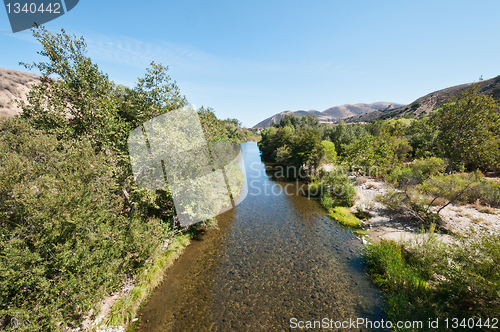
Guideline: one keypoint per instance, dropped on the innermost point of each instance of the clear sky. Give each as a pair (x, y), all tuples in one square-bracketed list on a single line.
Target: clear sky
[(252, 59)]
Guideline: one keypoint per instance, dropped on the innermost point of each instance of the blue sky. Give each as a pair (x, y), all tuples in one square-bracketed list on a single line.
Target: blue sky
[(252, 59)]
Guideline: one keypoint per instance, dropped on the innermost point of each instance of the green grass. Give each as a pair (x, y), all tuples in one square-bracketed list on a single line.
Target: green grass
[(361, 232), (344, 216), (127, 307), (406, 290), (427, 279)]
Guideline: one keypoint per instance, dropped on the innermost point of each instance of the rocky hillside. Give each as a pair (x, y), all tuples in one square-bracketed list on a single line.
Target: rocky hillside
[(431, 101), (13, 85), (333, 114)]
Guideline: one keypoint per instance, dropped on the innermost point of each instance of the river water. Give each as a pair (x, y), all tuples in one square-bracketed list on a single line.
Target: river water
[(275, 260)]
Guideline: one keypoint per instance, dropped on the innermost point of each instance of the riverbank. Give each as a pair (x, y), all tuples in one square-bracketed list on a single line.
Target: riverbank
[(275, 256), (120, 311), (427, 275), (382, 224)]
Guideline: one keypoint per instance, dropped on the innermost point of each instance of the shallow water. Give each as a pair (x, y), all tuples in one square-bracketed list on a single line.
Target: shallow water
[(275, 257)]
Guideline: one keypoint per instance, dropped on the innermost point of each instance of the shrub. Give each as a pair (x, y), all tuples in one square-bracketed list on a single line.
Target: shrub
[(328, 151), (465, 188), (426, 279), (471, 282), (425, 168), (327, 202), (315, 188), (402, 277), (340, 188), (417, 172), (399, 174), (410, 205), (63, 241), (369, 151)]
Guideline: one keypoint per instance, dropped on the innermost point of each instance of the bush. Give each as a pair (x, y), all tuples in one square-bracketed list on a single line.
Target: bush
[(407, 291), (471, 282), (340, 189), (315, 188), (417, 172), (399, 174), (328, 151), (427, 279), (64, 244), (327, 202), (465, 188), (410, 205), (425, 168)]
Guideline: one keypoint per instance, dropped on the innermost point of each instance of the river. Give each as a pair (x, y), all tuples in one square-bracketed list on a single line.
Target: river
[(276, 260)]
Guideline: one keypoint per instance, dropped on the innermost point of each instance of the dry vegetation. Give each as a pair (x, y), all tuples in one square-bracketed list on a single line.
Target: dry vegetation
[(13, 85)]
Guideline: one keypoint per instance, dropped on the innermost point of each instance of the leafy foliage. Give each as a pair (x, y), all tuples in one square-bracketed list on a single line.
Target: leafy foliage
[(64, 244), (329, 153), (465, 188), (428, 279), (73, 224), (74, 99), (416, 172), (290, 147), (469, 130), (343, 135), (339, 188)]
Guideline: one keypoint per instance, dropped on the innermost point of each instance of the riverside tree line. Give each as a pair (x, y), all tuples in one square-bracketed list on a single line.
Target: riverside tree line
[(430, 162), (74, 227)]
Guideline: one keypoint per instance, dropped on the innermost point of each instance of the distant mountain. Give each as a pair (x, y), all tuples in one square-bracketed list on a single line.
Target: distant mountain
[(333, 114), (431, 101), (13, 85)]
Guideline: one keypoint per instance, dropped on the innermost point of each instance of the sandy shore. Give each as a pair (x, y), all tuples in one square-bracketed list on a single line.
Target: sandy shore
[(383, 224)]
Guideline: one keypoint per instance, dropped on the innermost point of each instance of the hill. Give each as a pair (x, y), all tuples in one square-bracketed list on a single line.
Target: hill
[(430, 101), (13, 85), (332, 114)]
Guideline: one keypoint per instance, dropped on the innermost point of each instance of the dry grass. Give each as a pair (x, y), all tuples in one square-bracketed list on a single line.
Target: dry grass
[(13, 85), (484, 209), (361, 180), (477, 219), (439, 201)]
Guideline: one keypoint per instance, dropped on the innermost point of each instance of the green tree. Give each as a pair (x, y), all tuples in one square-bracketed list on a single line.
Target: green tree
[(344, 134), (288, 120), (74, 98), (329, 153), (273, 138), (370, 151), (468, 128), (153, 95), (306, 149), (64, 241), (422, 138)]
